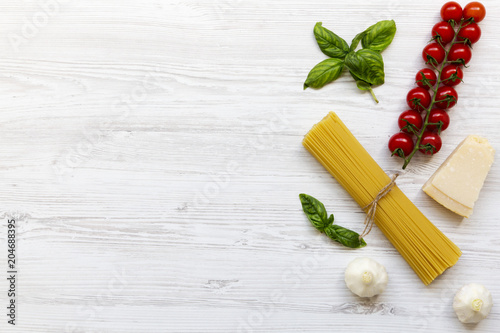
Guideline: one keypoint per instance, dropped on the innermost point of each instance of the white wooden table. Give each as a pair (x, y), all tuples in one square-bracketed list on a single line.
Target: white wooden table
[(151, 156)]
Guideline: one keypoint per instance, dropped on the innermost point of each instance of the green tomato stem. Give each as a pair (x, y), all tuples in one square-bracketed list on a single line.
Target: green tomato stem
[(434, 90)]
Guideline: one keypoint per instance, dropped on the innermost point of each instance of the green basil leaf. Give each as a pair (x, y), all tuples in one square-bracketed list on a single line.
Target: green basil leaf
[(315, 212), (345, 236), (365, 86), (329, 43), (330, 232), (379, 36), (325, 72), (367, 65), (356, 40), (362, 85)]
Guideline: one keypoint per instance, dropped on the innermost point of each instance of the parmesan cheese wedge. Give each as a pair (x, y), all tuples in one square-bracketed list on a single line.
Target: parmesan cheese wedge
[(457, 182)]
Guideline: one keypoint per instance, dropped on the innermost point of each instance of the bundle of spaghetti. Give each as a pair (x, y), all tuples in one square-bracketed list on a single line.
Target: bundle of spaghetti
[(426, 249)]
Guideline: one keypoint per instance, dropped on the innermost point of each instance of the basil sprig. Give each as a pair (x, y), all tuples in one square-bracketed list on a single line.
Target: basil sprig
[(317, 215), (365, 65)]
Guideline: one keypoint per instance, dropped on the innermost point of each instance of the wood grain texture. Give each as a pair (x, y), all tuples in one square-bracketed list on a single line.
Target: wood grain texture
[(151, 154)]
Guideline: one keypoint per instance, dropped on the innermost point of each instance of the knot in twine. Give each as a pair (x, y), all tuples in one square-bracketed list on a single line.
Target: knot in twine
[(372, 206)]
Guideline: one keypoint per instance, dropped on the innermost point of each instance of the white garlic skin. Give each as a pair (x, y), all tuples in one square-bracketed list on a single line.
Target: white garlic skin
[(365, 277), (472, 303)]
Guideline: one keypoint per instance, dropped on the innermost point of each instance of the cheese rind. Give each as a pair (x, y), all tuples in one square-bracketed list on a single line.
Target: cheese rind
[(458, 181), (446, 201)]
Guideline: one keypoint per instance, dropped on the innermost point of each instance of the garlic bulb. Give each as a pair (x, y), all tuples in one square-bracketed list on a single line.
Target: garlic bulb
[(365, 277), (472, 303)]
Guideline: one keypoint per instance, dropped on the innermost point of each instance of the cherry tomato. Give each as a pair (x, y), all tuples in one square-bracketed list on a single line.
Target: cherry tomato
[(430, 78), (475, 10), (418, 99), (452, 75), (470, 32), (446, 97), (433, 53), (460, 53), (451, 11), (436, 116), (401, 144), (410, 121), (430, 144), (443, 31)]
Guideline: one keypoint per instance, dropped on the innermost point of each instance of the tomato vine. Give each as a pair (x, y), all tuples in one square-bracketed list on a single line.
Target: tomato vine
[(446, 54)]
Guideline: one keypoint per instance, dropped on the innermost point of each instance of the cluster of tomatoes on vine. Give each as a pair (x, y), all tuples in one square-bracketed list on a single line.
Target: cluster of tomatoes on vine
[(446, 54)]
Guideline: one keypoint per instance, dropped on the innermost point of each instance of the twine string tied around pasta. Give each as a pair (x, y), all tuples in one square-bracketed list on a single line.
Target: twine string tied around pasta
[(372, 206)]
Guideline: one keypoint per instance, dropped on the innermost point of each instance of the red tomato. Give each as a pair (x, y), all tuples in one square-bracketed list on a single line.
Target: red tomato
[(418, 99), (430, 144), (452, 75), (437, 116), (470, 32), (451, 11), (443, 31), (460, 53), (426, 78), (433, 53), (410, 121), (446, 97), (475, 10), (401, 144)]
